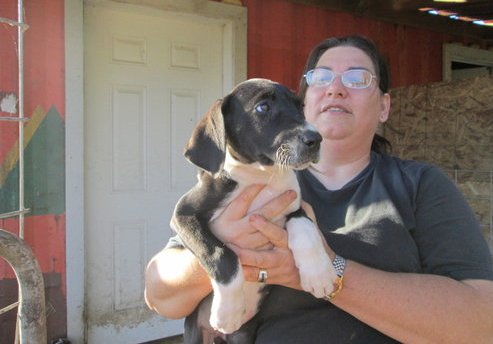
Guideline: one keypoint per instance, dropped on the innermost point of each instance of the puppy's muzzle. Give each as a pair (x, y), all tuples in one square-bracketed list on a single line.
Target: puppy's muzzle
[(301, 151), (310, 147), (311, 139)]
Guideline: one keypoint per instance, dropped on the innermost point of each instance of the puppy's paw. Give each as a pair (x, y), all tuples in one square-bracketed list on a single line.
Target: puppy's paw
[(317, 273)]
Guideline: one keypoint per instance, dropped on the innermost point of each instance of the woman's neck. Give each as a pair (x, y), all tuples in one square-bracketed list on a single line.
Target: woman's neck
[(337, 167)]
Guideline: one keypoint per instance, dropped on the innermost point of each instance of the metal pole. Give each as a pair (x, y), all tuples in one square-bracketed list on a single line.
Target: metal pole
[(20, 60)]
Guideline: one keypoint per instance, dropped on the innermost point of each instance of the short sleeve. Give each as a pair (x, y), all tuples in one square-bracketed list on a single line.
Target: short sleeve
[(447, 232), (175, 242)]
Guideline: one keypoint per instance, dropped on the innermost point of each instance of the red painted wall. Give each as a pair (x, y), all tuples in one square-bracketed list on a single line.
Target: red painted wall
[(44, 92), (281, 35)]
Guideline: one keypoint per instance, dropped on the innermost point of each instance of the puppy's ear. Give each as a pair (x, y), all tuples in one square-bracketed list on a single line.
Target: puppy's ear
[(207, 146)]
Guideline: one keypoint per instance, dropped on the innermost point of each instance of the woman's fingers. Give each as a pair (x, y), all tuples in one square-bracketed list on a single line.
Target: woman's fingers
[(238, 207), (233, 225), (278, 263), (254, 240), (277, 206), (258, 258), (276, 235)]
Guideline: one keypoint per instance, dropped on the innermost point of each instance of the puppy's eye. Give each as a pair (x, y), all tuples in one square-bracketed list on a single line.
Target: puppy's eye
[(262, 107)]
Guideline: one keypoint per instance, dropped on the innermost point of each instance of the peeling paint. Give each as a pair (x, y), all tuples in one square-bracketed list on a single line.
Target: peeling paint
[(8, 102)]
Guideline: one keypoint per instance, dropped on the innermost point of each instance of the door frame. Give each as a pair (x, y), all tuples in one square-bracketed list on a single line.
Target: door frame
[(234, 20)]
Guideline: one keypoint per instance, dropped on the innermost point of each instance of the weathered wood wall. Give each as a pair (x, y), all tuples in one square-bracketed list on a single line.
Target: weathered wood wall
[(450, 125)]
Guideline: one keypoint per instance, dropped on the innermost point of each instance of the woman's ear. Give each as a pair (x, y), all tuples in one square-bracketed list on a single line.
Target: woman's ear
[(384, 107)]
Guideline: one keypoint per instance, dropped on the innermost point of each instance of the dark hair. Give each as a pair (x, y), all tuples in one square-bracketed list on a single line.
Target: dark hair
[(379, 144)]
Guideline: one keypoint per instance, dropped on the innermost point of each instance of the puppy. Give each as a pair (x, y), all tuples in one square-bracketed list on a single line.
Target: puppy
[(257, 134)]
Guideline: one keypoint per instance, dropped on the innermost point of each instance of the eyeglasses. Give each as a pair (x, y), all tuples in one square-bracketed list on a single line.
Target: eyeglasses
[(352, 78)]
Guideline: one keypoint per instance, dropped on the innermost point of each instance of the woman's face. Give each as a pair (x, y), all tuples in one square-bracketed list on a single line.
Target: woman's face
[(341, 113)]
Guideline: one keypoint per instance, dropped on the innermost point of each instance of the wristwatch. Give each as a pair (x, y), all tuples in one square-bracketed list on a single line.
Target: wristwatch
[(339, 264)]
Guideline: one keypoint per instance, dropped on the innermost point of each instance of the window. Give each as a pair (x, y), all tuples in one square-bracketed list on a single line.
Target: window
[(461, 62)]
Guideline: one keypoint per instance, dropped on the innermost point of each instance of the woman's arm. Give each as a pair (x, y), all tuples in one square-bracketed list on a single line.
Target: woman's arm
[(418, 308), (175, 283)]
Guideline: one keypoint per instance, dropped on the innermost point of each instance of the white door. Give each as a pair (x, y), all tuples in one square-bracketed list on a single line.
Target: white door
[(149, 76)]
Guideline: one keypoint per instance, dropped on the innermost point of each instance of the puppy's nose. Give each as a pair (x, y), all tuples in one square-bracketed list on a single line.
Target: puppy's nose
[(311, 139)]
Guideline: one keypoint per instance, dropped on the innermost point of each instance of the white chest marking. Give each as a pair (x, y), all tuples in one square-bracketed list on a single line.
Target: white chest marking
[(277, 181)]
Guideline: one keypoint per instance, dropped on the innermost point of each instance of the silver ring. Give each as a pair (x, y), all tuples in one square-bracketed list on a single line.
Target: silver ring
[(262, 275)]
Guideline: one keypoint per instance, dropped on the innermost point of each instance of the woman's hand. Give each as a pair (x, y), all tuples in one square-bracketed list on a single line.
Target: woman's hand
[(232, 227), (278, 261), (257, 241)]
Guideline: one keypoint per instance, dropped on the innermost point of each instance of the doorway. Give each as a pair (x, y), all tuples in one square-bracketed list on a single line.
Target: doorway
[(146, 83)]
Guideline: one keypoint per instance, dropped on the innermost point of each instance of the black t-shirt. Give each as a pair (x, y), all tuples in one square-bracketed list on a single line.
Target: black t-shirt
[(396, 215)]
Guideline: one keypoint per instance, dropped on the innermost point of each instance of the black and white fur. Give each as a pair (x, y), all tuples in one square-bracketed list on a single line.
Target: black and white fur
[(257, 134)]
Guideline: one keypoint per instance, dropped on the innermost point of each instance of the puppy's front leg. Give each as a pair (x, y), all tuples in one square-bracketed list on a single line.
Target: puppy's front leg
[(220, 262), (317, 273), (228, 303)]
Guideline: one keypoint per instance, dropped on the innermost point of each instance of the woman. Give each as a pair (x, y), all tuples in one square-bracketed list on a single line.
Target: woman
[(416, 268)]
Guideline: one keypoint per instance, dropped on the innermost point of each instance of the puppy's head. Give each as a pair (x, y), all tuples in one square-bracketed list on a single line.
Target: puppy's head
[(260, 121)]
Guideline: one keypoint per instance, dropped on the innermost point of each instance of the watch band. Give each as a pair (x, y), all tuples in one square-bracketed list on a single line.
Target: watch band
[(339, 264)]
